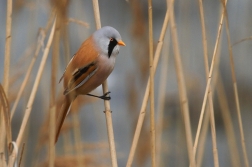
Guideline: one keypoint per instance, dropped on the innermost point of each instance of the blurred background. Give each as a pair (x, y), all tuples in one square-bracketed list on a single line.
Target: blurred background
[(83, 139)]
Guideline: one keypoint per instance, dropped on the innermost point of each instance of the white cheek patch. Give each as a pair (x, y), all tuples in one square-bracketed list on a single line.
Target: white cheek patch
[(116, 50)]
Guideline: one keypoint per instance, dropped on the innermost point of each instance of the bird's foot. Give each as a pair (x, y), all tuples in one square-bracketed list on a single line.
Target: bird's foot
[(104, 97)]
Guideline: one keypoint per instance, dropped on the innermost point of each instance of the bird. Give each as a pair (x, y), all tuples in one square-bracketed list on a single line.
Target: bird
[(89, 67)]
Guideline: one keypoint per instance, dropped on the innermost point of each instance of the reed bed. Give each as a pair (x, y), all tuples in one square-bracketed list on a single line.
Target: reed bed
[(165, 113)]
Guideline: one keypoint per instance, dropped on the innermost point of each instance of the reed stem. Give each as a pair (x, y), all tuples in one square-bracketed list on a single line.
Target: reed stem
[(146, 94), (108, 112), (237, 101), (151, 94), (209, 80), (35, 87), (6, 69), (210, 98)]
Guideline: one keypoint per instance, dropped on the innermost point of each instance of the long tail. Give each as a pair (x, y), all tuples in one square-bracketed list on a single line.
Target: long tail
[(65, 108)]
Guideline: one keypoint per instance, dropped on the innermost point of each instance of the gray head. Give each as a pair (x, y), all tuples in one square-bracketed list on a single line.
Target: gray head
[(107, 40)]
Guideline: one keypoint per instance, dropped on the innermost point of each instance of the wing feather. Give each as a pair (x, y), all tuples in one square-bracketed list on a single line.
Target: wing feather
[(80, 76), (81, 67)]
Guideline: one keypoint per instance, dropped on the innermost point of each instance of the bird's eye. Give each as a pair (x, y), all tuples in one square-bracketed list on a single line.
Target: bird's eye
[(111, 39)]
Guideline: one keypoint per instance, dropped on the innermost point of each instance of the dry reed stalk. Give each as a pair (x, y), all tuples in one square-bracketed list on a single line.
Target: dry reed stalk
[(238, 110), (41, 38), (21, 155), (110, 129), (179, 137), (27, 130), (54, 82), (107, 111), (202, 139), (13, 156), (82, 23), (66, 45), (2, 160), (207, 115), (35, 87), (40, 43), (6, 69), (242, 40), (6, 116), (97, 14), (146, 94), (225, 111), (209, 80), (7, 47), (151, 91), (210, 97), (55, 60), (161, 99), (77, 138), (51, 141), (181, 85), (213, 129), (204, 37)]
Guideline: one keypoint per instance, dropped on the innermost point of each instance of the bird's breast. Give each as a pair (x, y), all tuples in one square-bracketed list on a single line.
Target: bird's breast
[(105, 66)]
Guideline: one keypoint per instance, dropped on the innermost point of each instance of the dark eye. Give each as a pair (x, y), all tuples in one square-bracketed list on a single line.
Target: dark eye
[(111, 39)]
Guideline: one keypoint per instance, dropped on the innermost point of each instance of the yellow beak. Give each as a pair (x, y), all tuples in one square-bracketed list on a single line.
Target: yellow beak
[(121, 43)]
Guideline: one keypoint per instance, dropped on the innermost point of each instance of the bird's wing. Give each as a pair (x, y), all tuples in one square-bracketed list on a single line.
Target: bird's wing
[(80, 76), (81, 67)]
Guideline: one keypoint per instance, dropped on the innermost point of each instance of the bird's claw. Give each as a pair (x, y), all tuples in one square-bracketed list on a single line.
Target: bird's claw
[(105, 97)]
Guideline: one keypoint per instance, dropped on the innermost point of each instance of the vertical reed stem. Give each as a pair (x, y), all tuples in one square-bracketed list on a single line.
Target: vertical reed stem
[(107, 111), (6, 116), (54, 69), (243, 143), (209, 80), (181, 85), (7, 48), (210, 100), (161, 100), (6, 69), (151, 93), (227, 119)]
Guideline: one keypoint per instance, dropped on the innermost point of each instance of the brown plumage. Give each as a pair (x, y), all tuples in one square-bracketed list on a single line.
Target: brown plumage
[(89, 68), (70, 82)]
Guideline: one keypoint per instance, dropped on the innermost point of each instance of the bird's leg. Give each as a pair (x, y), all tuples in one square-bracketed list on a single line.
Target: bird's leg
[(104, 97)]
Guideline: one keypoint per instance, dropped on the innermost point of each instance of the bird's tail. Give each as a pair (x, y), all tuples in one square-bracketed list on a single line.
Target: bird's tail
[(65, 108)]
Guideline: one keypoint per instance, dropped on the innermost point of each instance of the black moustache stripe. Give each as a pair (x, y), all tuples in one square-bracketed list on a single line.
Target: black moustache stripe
[(111, 46)]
